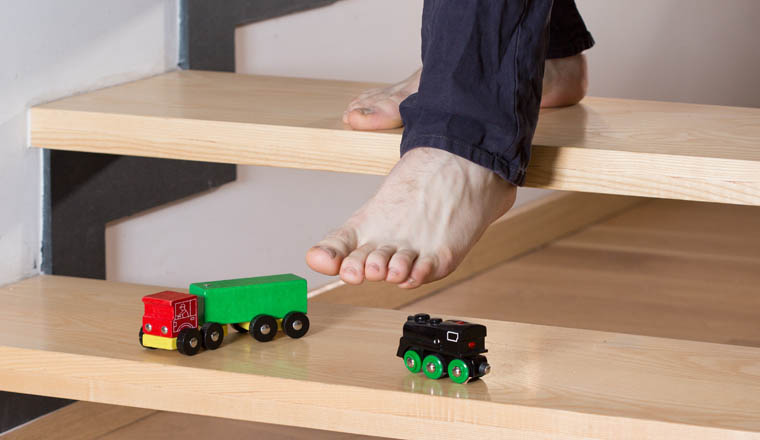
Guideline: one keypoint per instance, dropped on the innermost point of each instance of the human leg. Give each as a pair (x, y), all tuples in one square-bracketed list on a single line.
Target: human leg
[(565, 75), (466, 146)]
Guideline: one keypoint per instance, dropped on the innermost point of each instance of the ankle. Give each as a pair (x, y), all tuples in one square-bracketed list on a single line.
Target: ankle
[(565, 81)]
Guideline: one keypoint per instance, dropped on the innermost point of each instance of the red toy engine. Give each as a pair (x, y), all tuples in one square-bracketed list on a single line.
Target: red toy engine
[(166, 313)]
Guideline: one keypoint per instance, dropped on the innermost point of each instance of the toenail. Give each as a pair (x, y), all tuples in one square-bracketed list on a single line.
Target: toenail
[(374, 267), (349, 270), (410, 282), (366, 111), (330, 251)]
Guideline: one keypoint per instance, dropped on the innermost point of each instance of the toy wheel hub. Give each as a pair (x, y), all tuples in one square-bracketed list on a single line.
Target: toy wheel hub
[(431, 367), (265, 329), (410, 362), (297, 325), (215, 336), (456, 371), (193, 342)]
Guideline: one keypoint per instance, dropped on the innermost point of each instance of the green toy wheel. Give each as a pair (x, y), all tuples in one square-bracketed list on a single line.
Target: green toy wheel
[(459, 371), (433, 366), (412, 361)]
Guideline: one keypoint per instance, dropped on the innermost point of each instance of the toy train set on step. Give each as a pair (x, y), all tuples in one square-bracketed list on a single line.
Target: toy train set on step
[(187, 322), (259, 306)]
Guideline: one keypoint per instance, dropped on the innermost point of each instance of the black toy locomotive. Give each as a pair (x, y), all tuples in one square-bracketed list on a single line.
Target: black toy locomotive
[(439, 347)]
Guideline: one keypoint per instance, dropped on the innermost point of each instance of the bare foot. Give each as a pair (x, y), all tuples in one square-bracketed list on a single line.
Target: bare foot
[(565, 83), (434, 205), (377, 109), (427, 214)]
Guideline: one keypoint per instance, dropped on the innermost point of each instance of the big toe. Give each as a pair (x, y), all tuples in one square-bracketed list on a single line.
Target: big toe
[(327, 255), (373, 118), (323, 259)]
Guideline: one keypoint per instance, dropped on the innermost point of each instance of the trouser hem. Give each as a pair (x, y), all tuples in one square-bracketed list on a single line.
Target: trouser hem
[(509, 170), (573, 47)]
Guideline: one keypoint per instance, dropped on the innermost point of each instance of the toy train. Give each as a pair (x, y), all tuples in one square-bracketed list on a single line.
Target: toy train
[(260, 305), (440, 348)]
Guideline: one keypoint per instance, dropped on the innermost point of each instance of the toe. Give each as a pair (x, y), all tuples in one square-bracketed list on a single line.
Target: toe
[(327, 255), (352, 268), (323, 259), (420, 274), (400, 265), (376, 267), (373, 118)]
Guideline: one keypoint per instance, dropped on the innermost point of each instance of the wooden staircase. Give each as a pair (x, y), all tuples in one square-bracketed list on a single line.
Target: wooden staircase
[(611, 146), (77, 338), (552, 382)]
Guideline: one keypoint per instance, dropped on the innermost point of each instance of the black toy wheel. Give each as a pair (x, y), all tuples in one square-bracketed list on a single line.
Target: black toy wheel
[(189, 341), (213, 335), (295, 324), (239, 328), (263, 328), (141, 342)]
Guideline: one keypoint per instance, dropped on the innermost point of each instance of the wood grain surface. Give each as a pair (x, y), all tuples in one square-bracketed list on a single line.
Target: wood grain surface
[(76, 338), (97, 421), (615, 146), (519, 231), (664, 268), (80, 421)]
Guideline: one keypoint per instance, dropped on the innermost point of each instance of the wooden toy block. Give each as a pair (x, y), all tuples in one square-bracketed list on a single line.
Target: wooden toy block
[(439, 348), (167, 313), (234, 301), (260, 306), (152, 341)]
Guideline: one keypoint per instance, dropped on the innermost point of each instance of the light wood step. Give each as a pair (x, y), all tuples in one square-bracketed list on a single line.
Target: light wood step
[(614, 146), (77, 338), (665, 268)]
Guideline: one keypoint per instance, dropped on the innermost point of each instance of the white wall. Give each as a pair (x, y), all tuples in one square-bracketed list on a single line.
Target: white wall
[(701, 51), (355, 40), (274, 215), (50, 49)]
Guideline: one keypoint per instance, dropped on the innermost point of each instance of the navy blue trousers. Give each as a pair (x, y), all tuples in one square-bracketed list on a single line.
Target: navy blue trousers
[(482, 71)]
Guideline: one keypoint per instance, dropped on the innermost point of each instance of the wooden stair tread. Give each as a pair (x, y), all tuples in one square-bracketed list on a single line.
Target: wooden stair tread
[(77, 338), (615, 146), (663, 268)]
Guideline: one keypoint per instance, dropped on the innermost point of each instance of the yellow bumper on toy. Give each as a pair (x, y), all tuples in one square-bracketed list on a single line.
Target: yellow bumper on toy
[(153, 341)]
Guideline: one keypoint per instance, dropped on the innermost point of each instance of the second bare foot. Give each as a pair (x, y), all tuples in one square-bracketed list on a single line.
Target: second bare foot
[(565, 83)]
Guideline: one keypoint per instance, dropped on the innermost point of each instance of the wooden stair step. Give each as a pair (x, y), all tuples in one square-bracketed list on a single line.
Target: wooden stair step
[(77, 338), (614, 146)]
